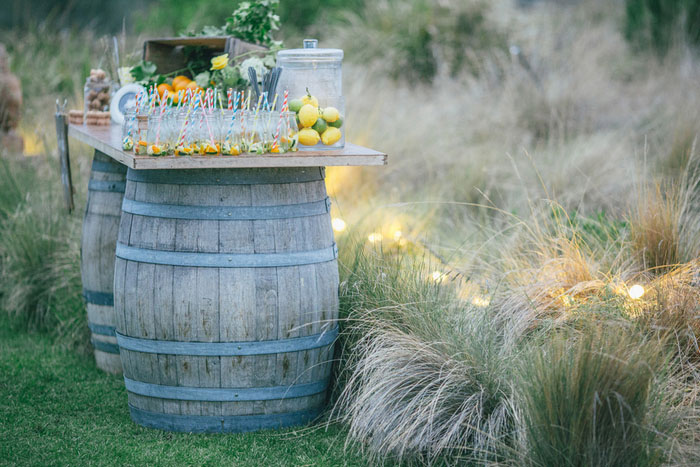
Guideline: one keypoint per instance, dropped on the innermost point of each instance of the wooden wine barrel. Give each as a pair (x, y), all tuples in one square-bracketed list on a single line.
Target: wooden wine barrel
[(100, 228), (226, 297)]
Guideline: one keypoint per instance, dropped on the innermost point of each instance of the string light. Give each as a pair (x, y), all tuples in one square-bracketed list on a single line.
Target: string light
[(636, 291), (437, 276), (338, 224), (481, 302), (374, 237), (397, 235)]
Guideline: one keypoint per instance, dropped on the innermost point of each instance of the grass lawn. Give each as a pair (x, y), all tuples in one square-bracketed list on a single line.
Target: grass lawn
[(58, 409)]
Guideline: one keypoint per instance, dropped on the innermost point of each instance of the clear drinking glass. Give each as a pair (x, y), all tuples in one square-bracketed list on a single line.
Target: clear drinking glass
[(158, 139), (182, 135), (129, 130), (230, 133), (209, 143)]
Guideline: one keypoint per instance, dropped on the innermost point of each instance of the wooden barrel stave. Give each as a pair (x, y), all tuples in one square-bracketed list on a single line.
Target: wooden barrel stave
[(99, 237), (283, 298)]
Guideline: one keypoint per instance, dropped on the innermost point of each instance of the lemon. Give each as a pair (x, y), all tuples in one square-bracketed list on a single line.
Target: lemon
[(331, 136), (309, 99), (320, 126), (308, 114), (330, 114), (295, 105), (309, 137), (338, 123)]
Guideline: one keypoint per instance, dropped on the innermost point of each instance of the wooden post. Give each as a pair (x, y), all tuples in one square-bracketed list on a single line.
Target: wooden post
[(62, 140)]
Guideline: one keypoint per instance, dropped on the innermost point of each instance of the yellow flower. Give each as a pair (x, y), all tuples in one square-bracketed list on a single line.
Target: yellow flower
[(219, 62)]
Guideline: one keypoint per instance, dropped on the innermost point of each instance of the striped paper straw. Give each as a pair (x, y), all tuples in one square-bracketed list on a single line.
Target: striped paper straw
[(279, 124), (183, 130), (233, 117)]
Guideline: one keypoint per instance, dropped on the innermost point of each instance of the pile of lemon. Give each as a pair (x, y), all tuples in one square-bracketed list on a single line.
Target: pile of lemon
[(316, 124)]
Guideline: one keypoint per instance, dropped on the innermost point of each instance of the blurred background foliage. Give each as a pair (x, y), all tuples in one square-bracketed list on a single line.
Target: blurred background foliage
[(659, 24), (410, 40)]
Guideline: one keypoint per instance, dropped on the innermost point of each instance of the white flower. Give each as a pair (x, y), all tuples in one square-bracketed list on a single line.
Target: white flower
[(256, 64), (125, 75)]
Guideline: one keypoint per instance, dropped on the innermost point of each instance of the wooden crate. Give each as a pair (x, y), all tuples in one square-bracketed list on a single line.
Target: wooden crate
[(167, 53)]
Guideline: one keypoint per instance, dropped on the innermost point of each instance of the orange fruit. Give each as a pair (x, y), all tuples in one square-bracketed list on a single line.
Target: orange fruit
[(192, 85), (180, 78), (163, 87), (181, 83)]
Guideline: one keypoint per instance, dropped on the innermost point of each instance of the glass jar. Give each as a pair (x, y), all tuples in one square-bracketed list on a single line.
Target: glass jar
[(230, 133), (183, 141), (159, 139), (286, 139), (319, 70), (97, 92), (316, 72), (208, 142), (129, 130), (141, 134)]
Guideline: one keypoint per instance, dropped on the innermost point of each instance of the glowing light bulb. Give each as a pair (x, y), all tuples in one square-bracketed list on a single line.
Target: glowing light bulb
[(338, 224), (374, 237), (397, 235), (636, 291)]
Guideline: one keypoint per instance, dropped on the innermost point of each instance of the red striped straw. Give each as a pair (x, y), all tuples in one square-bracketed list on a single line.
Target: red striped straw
[(229, 93), (279, 124), (183, 130)]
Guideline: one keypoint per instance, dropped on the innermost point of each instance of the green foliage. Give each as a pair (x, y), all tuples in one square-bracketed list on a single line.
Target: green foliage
[(299, 17), (595, 399), (418, 39), (144, 71), (39, 254), (254, 22), (379, 279), (295, 17), (657, 24), (106, 17), (40, 61)]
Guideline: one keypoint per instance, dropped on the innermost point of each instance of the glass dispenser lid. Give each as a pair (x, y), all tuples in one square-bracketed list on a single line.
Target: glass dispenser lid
[(310, 53)]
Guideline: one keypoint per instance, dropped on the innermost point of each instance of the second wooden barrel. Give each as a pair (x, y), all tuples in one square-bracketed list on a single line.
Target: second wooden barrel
[(226, 297), (100, 227)]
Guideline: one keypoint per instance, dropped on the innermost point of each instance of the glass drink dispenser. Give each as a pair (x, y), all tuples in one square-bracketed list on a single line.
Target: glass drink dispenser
[(313, 76)]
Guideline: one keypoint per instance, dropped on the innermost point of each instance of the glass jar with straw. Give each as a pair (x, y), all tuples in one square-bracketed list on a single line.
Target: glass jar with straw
[(230, 133), (208, 144), (183, 135), (286, 137), (158, 135), (129, 130)]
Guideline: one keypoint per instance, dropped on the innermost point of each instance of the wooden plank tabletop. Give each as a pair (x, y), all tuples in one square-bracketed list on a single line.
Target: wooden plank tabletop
[(107, 139)]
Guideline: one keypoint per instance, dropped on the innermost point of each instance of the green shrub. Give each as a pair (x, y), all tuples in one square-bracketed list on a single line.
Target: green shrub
[(418, 39), (296, 17), (595, 400), (657, 24), (40, 285)]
